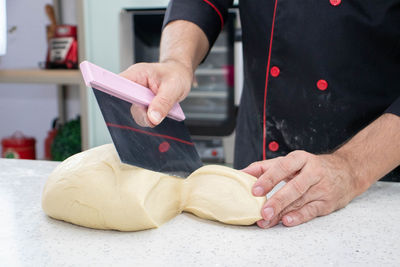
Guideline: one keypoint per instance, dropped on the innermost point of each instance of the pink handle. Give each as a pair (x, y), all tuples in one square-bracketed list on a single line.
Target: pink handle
[(122, 88)]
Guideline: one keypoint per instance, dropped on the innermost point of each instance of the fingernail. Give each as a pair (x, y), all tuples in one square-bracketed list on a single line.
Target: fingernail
[(156, 116), (268, 213), (289, 219), (264, 224), (258, 191)]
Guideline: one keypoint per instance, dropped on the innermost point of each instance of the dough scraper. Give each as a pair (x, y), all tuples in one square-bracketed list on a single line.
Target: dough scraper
[(166, 148)]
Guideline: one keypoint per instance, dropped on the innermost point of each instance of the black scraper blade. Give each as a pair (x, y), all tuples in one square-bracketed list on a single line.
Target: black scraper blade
[(166, 148)]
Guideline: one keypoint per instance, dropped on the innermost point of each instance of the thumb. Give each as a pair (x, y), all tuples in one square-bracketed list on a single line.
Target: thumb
[(162, 103)]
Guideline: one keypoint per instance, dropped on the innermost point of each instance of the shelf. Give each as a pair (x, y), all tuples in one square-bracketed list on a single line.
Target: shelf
[(212, 94), (40, 76), (219, 49), (220, 71), (206, 116)]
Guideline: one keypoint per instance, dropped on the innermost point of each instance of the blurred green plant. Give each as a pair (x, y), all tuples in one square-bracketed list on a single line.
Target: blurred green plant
[(67, 141)]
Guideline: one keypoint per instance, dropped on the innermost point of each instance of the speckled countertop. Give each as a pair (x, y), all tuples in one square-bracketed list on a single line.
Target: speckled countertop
[(365, 233)]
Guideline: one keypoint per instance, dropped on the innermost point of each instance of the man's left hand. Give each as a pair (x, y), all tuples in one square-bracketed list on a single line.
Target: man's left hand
[(316, 185)]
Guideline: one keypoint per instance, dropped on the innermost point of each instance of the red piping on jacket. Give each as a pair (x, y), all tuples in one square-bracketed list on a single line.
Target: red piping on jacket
[(148, 133), (266, 84), (218, 12)]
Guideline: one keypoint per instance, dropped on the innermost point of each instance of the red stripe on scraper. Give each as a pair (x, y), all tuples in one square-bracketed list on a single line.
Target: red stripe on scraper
[(149, 133)]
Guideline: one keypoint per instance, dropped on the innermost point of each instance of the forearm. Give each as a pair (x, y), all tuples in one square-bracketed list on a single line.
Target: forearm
[(184, 42), (374, 151)]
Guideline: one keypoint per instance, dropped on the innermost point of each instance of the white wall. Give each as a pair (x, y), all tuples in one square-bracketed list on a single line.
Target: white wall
[(72, 99), (3, 26), (25, 107)]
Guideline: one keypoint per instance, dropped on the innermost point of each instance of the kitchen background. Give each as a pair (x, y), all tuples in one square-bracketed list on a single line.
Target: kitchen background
[(31, 108), (109, 35)]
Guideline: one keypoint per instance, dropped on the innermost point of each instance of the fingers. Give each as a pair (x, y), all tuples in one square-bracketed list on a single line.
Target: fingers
[(145, 75), (313, 194), (137, 73), (170, 82), (268, 224), (308, 212), (288, 194), (313, 189), (139, 114), (281, 169), (162, 103), (297, 204), (258, 168), (305, 214)]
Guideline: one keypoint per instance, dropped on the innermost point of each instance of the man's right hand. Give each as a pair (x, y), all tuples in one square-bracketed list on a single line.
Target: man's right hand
[(170, 81), (183, 46)]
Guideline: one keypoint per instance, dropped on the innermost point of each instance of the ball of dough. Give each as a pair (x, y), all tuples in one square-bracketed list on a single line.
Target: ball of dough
[(94, 189), (222, 194)]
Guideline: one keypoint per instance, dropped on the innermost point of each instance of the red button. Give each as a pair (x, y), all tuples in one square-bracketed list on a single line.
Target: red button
[(214, 153), (273, 146), (322, 85), (335, 2), (275, 71), (164, 147)]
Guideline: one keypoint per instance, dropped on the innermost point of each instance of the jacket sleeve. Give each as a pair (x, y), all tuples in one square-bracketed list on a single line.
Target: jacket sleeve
[(209, 15), (394, 108)]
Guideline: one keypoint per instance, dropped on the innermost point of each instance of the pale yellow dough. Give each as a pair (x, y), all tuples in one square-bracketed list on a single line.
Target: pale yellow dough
[(94, 189)]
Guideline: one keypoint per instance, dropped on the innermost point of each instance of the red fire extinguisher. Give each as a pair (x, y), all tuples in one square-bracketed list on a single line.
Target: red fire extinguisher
[(18, 146)]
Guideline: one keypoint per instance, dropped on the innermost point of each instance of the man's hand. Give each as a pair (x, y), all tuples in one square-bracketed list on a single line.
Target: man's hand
[(320, 184), (316, 186), (183, 46), (170, 81)]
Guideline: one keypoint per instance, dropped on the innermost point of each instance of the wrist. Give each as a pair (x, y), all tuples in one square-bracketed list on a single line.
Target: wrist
[(184, 66), (354, 168), (181, 63)]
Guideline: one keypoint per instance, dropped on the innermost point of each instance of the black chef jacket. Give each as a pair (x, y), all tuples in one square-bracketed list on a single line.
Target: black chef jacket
[(315, 71)]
